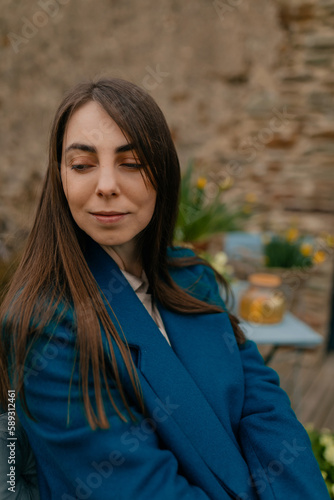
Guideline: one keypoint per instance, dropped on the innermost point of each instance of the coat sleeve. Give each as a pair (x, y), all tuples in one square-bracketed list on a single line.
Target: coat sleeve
[(275, 445), (124, 462)]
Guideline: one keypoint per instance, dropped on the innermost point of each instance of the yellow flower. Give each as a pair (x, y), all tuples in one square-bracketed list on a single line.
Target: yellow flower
[(251, 198), (319, 257), (306, 249), (324, 474), (201, 182), (292, 234)]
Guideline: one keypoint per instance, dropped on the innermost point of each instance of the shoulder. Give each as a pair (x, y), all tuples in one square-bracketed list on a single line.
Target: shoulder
[(176, 252), (185, 264), (194, 276)]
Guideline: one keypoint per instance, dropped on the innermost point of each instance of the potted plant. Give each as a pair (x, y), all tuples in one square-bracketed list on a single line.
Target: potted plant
[(291, 250), (203, 214), (293, 257)]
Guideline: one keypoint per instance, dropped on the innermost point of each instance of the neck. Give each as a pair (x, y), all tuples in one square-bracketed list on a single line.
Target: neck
[(127, 261)]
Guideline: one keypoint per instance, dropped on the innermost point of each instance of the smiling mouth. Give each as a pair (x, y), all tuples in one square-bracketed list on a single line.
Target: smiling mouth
[(106, 214), (109, 217)]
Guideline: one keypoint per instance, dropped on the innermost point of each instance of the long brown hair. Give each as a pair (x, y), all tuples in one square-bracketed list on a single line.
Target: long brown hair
[(53, 269)]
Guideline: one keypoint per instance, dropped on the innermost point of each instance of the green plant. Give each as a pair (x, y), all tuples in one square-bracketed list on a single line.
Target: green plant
[(200, 215), (323, 448), (290, 250)]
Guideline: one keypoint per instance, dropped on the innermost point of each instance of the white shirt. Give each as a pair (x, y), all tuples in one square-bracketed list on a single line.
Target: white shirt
[(140, 286)]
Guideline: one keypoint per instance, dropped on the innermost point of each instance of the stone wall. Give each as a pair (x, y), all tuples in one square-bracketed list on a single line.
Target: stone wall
[(247, 88)]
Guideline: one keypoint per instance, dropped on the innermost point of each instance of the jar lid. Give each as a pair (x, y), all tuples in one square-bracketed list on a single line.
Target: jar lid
[(265, 279)]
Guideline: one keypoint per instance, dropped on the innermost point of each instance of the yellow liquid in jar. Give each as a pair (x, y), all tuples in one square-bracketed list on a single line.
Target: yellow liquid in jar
[(262, 306)]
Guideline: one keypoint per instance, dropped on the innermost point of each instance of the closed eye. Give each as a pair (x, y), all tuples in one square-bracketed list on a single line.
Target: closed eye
[(132, 165), (81, 167)]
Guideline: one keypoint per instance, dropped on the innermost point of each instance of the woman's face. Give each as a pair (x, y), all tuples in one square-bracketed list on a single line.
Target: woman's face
[(108, 194)]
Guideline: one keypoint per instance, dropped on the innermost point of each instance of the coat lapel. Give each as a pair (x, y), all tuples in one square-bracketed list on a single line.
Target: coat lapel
[(166, 375)]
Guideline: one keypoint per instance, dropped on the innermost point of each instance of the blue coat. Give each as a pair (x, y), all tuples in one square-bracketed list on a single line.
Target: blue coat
[(219, 426)]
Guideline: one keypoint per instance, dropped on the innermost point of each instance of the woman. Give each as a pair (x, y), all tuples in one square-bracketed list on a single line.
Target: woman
[(132, 381)]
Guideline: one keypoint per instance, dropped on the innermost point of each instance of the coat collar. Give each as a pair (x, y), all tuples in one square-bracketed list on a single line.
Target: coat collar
[(160, 366)]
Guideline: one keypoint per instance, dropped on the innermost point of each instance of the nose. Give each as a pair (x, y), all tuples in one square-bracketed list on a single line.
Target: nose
[(107, 182)]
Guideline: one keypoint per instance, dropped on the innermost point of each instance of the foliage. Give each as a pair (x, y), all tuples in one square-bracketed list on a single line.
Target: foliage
[(201, 215), (323, 449), (291, 250)]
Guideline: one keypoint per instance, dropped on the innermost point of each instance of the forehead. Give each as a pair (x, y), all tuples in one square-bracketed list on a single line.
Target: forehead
[(91, 124)]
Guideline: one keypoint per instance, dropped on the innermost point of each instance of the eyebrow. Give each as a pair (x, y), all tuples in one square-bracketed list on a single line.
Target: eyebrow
[(125, 148), (81, 147), (92, 149)]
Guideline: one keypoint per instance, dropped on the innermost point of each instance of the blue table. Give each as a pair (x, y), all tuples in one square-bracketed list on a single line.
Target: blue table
[(291, 332)]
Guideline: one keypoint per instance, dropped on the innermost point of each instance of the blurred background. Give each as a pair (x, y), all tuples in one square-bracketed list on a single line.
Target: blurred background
[(247, 88)]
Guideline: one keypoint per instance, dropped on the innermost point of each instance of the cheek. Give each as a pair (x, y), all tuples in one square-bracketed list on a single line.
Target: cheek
[(149, 212), (70, 187), (143, 195), (76, 191)]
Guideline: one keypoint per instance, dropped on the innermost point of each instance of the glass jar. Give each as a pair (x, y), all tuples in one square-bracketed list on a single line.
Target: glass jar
[(263, 302)]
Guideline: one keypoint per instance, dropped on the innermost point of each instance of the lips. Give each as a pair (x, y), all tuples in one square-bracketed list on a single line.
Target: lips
[(103, 213), (109, 217)]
